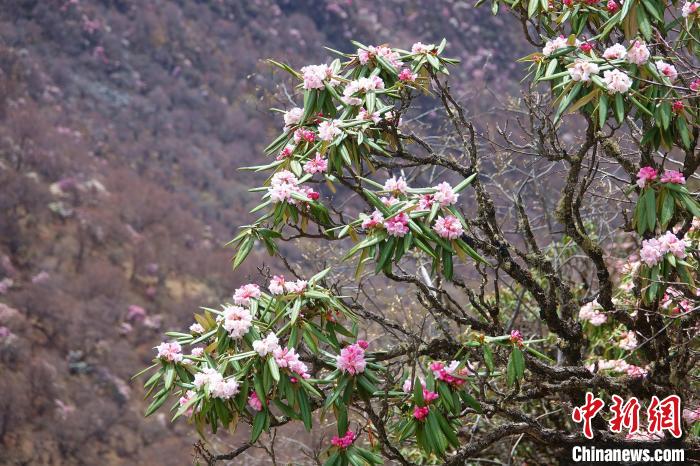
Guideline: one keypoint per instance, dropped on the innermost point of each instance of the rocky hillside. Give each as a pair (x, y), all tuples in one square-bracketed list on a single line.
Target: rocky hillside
[(122, 125)]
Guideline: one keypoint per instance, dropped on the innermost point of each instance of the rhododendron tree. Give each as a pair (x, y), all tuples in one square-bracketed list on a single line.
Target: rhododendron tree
[(572, 269)]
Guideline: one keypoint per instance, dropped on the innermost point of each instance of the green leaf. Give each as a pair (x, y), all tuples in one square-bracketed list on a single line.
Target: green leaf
[(274, 370), (650, 209), (258, 425), (488, 356), (619, 107), (668, 203), (602, 109), (243, 251), (305, 409)]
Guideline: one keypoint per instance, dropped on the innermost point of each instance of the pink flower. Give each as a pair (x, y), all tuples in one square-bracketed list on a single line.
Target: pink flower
[(276, 285), (223, 388), (691, 415), (668, 242), (316, 165), (445, 194), (376, 220), (448, 227), (636, 371), (421, 412), (135, 313), (397, 225), (352, 359), (673, 176), (646, 175), (363, 344), (267, 345), (447, 373), (419, 47), (295, 287), (303, 134), (689, 8), (345, 441), (254, 402), (289, 359), (328, 130), (196, 328), (363, 114), (612, 6), (651, 252), (286, 152), (614, 52), (408, 385), (590, 312), (677, 107), (186, 398), (389, 201), (429, 396), (293, 116), (516, 338), (425, 202), (236, 320), (667, 70), (244, 294), (407, 75), (586, 46), (198, 352), (314, 75), (396, 186), (628, 341), (170, 351), (638, 53), (695, 85)]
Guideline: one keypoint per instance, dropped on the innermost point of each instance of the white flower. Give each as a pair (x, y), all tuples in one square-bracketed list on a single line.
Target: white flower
[(267, 345), (667, 70), (557, 43), (617, 81), (419, 47), (628, 341), (394, 185), (295, 287), (293, 116), (237, 321), (689, 8), (582, 70), (638, 53), (224, 389), (314, 75), (196, 328), (328, 130), (614, 52)]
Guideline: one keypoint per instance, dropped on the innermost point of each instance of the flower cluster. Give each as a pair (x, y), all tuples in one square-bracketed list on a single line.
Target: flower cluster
[(369, 53), (315, 75), (236, 320), (358, 86), (254, 402), (629, 341), (421, 412), (287, 358), (278, 285), (169, 351), (218, 386), (284, 185), (590, 312), (654, 249), (244, 294), (690, 9), (448, 227), (646, 175), (619, 365), (351, 359), (267, 345), (345, 441), (516, 338), (449, 374)]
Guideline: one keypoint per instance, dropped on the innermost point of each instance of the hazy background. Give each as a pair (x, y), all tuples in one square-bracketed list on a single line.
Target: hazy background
[(122, 125)]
